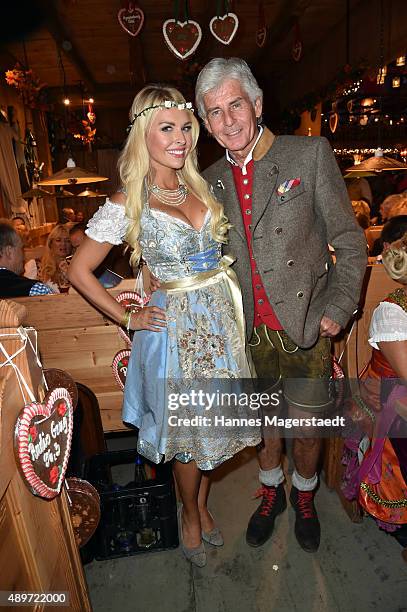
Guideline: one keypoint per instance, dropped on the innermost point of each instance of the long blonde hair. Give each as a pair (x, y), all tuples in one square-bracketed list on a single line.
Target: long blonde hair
[(395, 260), (134, 166), (49, 270)]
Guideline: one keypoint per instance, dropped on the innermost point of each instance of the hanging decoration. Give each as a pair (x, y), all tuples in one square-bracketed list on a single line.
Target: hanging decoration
[(182, 37), (296, 49), (224, 25), (84, 508), (261, 34), (91, 114), (131, 18), (28, 84), (119, 366), (334, 118), (43, 435)]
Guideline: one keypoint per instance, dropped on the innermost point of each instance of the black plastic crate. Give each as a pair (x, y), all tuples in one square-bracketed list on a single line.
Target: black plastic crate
[(134, 518)]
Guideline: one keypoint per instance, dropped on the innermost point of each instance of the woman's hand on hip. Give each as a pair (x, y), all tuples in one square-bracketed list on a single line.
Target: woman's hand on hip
[(150, 317)]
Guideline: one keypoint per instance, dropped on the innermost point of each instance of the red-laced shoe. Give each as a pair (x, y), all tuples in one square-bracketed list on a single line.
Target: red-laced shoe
[(261, 523), (307, 527)]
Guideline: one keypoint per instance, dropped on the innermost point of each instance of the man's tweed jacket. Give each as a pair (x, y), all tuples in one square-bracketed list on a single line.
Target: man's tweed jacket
[(290, 234)]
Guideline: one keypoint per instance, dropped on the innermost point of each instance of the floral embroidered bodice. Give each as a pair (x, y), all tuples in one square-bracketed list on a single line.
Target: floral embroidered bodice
[(171, 247)]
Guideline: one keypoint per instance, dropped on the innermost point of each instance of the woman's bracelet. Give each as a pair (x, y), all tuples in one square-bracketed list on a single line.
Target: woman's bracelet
[(125, 322)]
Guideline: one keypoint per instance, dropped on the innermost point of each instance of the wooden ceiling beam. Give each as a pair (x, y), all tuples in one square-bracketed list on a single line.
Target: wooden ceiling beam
[(59, 33)]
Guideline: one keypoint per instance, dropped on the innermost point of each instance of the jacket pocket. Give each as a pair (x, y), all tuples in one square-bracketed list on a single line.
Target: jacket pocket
[(290, 195), (320, 269)]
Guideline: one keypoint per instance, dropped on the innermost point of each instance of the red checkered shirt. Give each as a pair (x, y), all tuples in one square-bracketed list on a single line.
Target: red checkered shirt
[(263, 311)]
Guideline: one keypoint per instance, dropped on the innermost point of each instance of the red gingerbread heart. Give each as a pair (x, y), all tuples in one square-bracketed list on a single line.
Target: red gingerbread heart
[(182, 37), (224, 28), (120, 366), (43, 435), (128, 299), (131, 18)]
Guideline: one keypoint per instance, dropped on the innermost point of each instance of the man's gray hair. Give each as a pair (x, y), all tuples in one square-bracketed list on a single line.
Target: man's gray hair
[(8, 235), (217, 71)]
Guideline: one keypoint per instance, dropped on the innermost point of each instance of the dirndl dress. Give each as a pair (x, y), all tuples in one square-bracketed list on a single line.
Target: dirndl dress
[(203, 340)]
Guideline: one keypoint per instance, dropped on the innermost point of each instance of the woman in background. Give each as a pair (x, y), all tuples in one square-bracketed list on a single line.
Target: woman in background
[(376, 459), (54, 265)]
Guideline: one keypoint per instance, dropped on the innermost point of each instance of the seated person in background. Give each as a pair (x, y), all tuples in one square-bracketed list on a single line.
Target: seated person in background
[(54, 266), (77, 235), (68, 217), (393, 206), (362, 213), (116, 261), (359, 189), (393, 230), (80, 217), (20, 226), (12, 284)]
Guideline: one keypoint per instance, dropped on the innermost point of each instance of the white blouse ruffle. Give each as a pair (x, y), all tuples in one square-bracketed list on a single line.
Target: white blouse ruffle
[(108, 224), (388, 324)]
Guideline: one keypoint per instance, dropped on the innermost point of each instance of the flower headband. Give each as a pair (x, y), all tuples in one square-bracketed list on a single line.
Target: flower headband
[(165, 104)]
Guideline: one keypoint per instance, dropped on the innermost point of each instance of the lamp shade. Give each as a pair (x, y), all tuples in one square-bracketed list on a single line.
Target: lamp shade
[(72, 175), (88, 193), (37, 193), (63, 193), (378, 163)]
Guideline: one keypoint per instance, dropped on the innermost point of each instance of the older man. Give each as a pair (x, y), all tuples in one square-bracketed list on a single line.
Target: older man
[(12, 284), (286, 200)]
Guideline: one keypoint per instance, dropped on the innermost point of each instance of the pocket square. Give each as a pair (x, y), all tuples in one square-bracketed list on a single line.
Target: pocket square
[(287, 185)]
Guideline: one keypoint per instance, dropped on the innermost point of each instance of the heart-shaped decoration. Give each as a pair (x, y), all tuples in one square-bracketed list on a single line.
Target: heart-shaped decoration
[(224, 28), (296, 50), (120, 365), (261, 36), (84, 508), (182, 37), (131, 18), (43, 435), (59, 378), (129, 299), (333, 122)]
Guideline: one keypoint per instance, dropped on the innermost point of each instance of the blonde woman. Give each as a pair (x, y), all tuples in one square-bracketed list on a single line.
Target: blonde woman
[(54, 266), (193, 325)]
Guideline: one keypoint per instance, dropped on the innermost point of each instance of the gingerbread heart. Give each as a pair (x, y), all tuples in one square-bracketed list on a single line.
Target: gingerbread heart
[(84, 508), (128, 299), (333, 122), (59, 378), (224, 28), (43, 435), (261, 36), (182, 37), (119, 366), (131, 18)]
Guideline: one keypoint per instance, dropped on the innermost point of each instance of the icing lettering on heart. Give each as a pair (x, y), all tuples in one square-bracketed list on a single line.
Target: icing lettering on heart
[(43, 435)]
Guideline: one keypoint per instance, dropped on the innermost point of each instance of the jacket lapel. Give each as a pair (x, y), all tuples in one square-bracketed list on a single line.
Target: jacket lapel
[(264, 183), (228, 196)]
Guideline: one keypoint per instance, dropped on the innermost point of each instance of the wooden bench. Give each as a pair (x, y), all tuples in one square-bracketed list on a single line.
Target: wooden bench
[(73, 336)]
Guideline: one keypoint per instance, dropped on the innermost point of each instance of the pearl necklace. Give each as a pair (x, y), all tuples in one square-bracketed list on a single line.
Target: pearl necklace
[(170, 197)]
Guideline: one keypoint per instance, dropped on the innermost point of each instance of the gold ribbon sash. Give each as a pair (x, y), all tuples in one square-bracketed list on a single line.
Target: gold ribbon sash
[(206, 279)]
